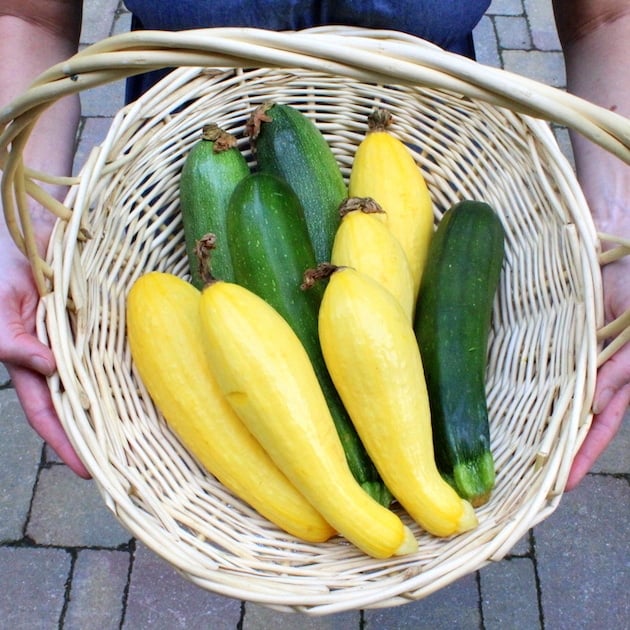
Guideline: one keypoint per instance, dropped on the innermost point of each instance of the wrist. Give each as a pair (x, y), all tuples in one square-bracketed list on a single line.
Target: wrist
[(605, 181), (42, 223)]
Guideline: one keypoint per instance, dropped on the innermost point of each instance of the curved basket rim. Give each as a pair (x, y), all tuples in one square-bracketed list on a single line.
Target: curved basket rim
[(117, 497)]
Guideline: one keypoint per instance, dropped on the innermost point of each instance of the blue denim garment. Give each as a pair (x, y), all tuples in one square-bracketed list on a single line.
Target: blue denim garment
[(447, 23)]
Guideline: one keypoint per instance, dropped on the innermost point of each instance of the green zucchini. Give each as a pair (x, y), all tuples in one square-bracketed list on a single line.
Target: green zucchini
[(452, 325), (270, 251), (289, 145), (210, 172)]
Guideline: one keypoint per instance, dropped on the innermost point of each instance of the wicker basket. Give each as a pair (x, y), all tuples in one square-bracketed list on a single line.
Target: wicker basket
[(475, 131)]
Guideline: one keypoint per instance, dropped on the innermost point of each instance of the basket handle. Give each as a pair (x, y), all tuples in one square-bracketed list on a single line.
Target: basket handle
[(362, 54)]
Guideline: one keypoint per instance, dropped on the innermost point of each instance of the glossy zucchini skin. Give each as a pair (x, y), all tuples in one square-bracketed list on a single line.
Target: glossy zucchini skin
[(289, 145), (270, 251), (210, 172), (452, 326)]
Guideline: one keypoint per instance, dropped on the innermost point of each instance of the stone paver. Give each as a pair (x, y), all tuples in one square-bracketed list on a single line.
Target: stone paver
[(18, 467), (98, 19), (506, 7), (4, 376), (66, 563), (615, 460), (97, 102), (486, 45), (455, 606), (544, 67), (159, 598), (261, 617), (513, 32), (543, 31), (33, 587), (99, 580), (508, 589), (583, 561), (70, 512)]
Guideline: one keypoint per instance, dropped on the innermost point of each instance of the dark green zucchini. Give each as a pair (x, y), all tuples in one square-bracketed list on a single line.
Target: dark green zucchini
[(211, 171), (289, 145), (452, 325), (270, 251)]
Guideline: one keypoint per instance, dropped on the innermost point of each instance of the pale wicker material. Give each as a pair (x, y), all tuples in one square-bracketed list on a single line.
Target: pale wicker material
[(471, 143)]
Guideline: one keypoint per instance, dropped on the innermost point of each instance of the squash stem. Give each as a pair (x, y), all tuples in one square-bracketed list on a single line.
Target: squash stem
[(323, 271), (257, 118), (203, 250), (379, 119), (367, 205), (222, 139)]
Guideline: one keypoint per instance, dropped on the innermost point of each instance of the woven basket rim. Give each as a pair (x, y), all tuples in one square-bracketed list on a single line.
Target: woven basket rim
[(74, 398)]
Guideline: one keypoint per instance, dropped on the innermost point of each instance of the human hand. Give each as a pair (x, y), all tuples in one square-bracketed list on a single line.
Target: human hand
[(28, 360), (612, 390)]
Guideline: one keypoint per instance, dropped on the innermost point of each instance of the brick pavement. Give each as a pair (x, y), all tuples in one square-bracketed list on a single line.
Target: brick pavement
[(65, 562)]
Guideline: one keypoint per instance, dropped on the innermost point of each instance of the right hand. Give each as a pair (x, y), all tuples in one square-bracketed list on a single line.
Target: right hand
[(28, 360), (612, 392)]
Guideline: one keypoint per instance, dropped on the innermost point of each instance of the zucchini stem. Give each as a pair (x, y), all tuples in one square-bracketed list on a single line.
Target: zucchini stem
[(258, 116), (203, 250), (222, 139)]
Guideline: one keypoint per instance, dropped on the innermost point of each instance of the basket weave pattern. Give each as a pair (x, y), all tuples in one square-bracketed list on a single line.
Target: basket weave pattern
[(543, 346)]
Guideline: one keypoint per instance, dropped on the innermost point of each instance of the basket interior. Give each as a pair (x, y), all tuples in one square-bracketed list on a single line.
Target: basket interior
[(540, 353)]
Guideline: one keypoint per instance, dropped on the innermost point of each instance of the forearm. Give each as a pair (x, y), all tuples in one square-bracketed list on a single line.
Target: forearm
[(596, 44), (27, 48)]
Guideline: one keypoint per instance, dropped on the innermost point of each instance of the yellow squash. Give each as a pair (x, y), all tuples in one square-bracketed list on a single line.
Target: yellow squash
[(384, 169), (267, 377), (373, 358), (365, 243), (164, 332)]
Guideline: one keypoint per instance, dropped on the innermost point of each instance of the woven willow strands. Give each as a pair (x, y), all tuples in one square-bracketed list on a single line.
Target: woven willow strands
[(476, 132), (372, 56)]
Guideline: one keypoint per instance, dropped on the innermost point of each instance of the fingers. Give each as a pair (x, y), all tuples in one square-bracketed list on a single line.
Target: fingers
[(603, 429), (35, 399), (28, 360), (18, 344), (26, 351), (611, 377), (610, 403)]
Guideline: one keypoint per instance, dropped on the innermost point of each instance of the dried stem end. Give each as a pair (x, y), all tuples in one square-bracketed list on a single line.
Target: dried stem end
[(221, 138), (379, 119), (203, 250), (323, 271), (257, 118), (367, 205)]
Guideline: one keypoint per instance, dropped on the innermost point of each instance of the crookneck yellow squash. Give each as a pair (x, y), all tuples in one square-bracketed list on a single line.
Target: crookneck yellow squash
[(164, 332), (265, 374), (366, 244), (270, 249), (383, 168), (372, 355)]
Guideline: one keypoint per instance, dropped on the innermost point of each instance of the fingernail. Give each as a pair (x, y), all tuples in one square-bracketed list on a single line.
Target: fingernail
[(601, 402), (43, 366)]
